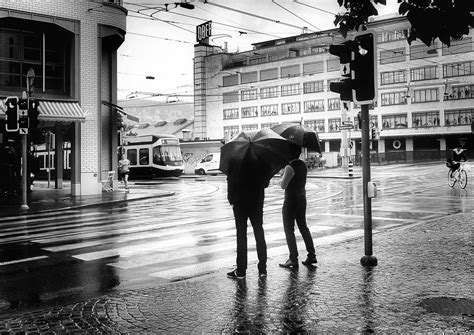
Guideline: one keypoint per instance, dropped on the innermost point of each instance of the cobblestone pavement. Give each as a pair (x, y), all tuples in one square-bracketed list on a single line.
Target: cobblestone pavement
[(422, 284)]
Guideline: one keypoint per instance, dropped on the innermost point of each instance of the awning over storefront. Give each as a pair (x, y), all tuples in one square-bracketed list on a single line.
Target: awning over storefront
[(56, 111)]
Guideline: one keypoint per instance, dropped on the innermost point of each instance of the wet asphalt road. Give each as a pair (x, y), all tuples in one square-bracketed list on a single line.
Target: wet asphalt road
[(81, 253)]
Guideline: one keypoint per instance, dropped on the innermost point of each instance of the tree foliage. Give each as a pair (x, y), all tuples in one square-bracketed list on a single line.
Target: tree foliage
[(447, 20)]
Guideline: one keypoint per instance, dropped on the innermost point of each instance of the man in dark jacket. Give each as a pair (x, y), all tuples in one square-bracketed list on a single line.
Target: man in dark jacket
[(246, 193)]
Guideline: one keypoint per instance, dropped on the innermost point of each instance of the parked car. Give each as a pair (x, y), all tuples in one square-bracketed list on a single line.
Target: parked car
[(209, 164)]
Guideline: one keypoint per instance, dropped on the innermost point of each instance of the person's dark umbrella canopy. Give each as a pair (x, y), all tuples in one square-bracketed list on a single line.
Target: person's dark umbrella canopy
[(262, 153), (299, 134)]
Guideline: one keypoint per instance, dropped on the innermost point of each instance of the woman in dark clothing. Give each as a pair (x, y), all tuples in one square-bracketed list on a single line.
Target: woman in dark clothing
[(294, 209)]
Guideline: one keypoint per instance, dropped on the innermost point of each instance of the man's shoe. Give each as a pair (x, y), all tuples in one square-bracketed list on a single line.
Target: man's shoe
[(233, 274), (310, 260), (289, 264)]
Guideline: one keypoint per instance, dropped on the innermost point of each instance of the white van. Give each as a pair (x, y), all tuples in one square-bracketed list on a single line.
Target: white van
[(209, 164)]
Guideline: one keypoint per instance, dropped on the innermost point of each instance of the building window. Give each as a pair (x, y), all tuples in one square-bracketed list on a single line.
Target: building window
[(333, 64), (313, 68), (249, 112), (459, 92), (230, 80), (22, 50), (292, 89), (246, 95), (317, 125), (374, 121), (461, 46), (430, 94), (393, 77), (269, 110), (422, 51), (290, 71), (290, 108), (229, 97), (394, 121), (313, 87), (269, 74), (230, 132), (249, 127), (334, 125), (427, 119), (458, 69), (394, 98), (314, 106), (269, 125), (423, 73), (232, 113), (460, 117), (392, 56), (334, 104), (389, 36), (269, 92), (249, 77)]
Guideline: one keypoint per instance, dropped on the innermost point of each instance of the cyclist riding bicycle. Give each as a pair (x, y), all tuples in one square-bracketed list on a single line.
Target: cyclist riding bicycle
[(457, 156)]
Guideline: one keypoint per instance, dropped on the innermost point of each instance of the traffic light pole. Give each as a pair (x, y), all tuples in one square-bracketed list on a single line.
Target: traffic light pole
[(368, 259), (24, 171)]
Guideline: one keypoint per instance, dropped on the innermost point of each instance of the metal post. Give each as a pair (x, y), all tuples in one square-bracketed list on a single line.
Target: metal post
[(368, 259), (24, 171)]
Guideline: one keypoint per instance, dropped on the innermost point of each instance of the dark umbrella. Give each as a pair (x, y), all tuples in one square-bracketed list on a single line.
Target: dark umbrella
[(258, 154), (299, 134)]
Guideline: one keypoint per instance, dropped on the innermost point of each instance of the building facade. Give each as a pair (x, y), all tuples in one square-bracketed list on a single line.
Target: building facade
[(425, 101), (71, 47)]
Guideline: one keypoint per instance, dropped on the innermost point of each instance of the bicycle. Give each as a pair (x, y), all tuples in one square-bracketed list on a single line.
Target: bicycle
[(460, 175)]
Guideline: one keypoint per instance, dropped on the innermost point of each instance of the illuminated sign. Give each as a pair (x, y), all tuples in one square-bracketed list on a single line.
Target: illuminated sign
[(203, 32)]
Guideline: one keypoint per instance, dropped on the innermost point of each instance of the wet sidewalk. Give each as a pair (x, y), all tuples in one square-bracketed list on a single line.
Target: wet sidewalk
[(422, 284)]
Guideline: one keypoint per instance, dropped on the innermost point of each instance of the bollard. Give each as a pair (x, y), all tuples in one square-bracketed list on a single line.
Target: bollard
[(351, 170)]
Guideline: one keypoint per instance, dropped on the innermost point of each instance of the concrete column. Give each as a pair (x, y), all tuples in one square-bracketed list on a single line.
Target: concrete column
[(76, 160), (409, 149), (59, 153)]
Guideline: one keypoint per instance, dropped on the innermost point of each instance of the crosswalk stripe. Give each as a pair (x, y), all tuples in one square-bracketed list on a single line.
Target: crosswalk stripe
[(23, 260)]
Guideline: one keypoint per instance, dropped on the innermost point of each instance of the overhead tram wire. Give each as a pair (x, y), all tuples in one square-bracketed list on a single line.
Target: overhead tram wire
[(253, 15), (299, 17), (317, 8)]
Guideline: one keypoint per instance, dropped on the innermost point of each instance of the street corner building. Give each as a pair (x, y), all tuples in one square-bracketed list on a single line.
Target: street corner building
[(62, 54)]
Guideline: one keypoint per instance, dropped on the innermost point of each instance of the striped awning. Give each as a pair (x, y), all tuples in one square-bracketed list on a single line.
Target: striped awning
[(57, 111)]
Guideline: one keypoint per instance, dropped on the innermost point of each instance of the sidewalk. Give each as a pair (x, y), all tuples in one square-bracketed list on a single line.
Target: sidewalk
[(44, 199), (422, 284)]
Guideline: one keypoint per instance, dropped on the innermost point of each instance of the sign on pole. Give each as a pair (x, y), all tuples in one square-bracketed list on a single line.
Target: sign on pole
[(203, 32)]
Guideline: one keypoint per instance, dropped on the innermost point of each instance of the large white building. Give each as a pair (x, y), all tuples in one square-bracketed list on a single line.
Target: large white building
[(425, 101)]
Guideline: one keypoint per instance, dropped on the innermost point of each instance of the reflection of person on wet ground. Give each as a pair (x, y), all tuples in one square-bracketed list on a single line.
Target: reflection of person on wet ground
[(246, 194), (294, 209)]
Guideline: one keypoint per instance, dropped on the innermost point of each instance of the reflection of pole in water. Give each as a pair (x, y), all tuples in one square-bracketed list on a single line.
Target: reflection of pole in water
[(240, 310)]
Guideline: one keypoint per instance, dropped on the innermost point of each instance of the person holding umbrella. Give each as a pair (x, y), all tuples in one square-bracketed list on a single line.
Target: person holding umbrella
[(293, 182), (250, 160)]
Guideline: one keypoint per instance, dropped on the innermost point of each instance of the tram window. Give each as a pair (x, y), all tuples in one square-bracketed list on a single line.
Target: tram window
[(144, 156), (171, 153), (156, 155), (41, 161), (132, 156)]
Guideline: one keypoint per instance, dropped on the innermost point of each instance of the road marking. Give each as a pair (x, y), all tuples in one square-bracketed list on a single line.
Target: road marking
[(23, 260)]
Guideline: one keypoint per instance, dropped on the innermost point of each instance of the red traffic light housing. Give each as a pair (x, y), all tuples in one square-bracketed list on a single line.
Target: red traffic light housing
[(11, 113), (343, 86)]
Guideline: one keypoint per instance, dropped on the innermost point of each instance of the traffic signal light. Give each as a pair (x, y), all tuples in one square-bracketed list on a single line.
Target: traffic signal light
[(364, 68), (343, 86), (120, 123), (358, 59), (33, 113), (373, 134), (12, 114)]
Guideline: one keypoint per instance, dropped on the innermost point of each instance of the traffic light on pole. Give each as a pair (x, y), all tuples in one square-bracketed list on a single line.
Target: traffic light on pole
[(12, 114), (364, 68), (343, 86), (33, 113), (373, 134)]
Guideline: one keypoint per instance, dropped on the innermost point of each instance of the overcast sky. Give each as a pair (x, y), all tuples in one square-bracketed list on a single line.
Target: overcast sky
[(160, 43)]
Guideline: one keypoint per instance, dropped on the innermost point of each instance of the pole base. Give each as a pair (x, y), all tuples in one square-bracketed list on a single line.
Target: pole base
[(368, 261)]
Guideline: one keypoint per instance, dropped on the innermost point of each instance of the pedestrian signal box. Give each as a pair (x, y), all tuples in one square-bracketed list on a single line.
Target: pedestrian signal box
[(11, 104)]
